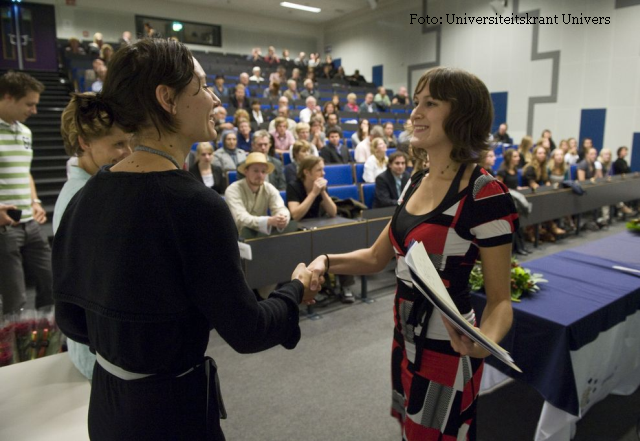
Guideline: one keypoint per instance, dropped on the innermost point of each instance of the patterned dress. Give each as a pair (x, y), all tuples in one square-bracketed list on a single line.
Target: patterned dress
[(434, 388)]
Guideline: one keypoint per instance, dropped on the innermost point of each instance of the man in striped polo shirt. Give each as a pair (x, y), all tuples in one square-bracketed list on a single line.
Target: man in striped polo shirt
[(23, 248)]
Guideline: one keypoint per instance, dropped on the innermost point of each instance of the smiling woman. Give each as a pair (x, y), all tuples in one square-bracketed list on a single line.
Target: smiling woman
[(146, 261)]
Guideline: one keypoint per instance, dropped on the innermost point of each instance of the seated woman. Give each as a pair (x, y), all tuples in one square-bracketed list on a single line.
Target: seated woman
[(328, 109), (572, 156), (89, 135), (335, 99), (273, 91), (307, 198), (303, 134), (205, 171), (244, 135), (317, 137), (508, 171), (535, 175), (229, 156), (525, 150), (300, 150), (389, 138), (362, 132), (352, 105), (283, 139), (558, 173), (488, 161), (377, 162)]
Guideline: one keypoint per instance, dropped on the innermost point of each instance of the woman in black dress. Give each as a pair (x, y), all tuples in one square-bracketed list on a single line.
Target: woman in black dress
[(146, 262)]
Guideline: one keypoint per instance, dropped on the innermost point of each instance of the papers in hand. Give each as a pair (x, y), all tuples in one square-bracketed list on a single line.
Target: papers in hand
[(427, 280), (635, 272)]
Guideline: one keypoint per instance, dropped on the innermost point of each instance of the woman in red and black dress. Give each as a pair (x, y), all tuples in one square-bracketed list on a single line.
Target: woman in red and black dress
[(460, 213)]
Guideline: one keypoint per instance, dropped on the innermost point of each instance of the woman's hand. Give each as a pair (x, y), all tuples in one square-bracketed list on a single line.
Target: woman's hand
[(303, 274), (318, 186), (318, 268), (463, 344)]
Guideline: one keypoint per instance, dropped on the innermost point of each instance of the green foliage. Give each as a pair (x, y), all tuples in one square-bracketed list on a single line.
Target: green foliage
[(523, 282), (634, 225)]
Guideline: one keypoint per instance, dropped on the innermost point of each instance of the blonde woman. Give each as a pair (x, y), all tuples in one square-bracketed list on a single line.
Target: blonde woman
[(210, 175), (377, 162), (525, 151)]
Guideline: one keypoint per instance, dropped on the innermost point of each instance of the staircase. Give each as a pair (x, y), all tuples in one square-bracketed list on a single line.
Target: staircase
[(49, 158)]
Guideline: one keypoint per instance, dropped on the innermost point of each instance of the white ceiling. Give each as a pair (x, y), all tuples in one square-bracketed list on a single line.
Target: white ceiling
[(271, 8)]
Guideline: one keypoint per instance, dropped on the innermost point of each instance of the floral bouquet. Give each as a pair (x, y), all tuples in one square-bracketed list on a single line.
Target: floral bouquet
[(634, 225), (29, 335), (523, 282)]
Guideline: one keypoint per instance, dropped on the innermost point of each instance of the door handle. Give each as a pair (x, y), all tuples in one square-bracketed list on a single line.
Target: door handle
[(25, 40), (12, 39)]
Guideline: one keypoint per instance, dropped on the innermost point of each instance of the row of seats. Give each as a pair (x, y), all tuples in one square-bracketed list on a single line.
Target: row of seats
[(361, 192)]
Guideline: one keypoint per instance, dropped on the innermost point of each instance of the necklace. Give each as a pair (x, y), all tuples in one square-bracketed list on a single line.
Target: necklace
[(447, 168), (144, 148)]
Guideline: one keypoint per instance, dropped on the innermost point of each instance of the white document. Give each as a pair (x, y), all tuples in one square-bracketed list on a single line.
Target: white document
[(426, 278), (245, 251)]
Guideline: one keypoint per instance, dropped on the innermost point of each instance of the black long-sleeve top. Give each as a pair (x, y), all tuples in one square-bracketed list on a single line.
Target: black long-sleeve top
[(146, 264)]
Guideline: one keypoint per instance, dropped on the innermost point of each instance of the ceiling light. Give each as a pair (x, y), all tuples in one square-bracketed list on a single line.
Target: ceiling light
[(300, 7)]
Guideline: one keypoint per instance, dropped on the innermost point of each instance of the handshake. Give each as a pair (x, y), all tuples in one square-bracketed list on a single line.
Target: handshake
[(312, 277)]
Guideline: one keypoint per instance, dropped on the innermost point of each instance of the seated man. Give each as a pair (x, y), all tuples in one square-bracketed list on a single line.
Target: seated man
[(332, 123), (262, 144), (335, 152), (257, 75), (312, 109), (239, 98), (243, 79), (402, 97), (250, 198), (219, 88), (309, 90), (390, 183), (501, 134), (368, 106), (382, 100)]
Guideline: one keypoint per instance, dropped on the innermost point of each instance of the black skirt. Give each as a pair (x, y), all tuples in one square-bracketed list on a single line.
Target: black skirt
[(159, 407)]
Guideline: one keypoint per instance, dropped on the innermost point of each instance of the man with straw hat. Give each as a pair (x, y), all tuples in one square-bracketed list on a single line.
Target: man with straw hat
[(250, 198)]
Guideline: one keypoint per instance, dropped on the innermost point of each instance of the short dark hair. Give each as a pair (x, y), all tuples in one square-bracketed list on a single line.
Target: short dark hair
[(397, 154), (333, 130), (134, 74), (620, 149), (18, 84), (469, 122)]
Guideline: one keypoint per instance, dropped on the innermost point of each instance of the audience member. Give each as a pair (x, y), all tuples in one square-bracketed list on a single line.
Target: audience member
[(229, 156), (312, 109), (74, 47), (285, 55), (352, 106), (332, 123), (220, 118), (106, 53), (564, 147), (309, 90), (525, 150), (239, 99), (327, 72), (302, 133), (279, 76), (356, 79), (535, 173), (328, 109), (389, 185), (244, 135), (572, 156), (389, 138), (23, 247), (149, 31), (335, 99), (283, 112), (257, 117), (295, 76), (273, 91), (404, 139), (204, 170), (340, 75), (100, 69), (501, 134), (219, 88), (299, 150), (283, 138), (402, 97), (335, 152), (368, 106), (377, 162), (362, 133), (587, 167), (314, 60), (382, 101), (546, 134), (317, 137), (621, 166), (508, 171), (587, 143), (292, 90), (488, 161), (558, 170), (257, 75), (243, 79), (256, 54), (254, 203), (271, 56), (126, 38), (301, 60), (363, 149), (96, 44), (262, 143)]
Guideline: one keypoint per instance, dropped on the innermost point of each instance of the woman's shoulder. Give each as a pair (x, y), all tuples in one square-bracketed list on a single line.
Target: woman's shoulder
[(484, 186)]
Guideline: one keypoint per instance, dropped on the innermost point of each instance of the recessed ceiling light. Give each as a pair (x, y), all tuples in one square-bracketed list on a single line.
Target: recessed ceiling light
[(300, 7)]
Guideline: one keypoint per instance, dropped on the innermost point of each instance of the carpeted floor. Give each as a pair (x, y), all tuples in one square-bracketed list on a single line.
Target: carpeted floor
[(336, 384)]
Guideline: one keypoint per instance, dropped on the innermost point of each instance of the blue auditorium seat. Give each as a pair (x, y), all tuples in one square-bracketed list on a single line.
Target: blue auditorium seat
[(359, 167), (573, 172), (340, 174), (232, 176), (389, 151), (344, 191), (521, 178), (286, 158), (283, 195), (368, 192)]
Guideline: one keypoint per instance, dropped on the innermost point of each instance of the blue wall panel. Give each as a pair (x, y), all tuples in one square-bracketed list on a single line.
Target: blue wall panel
[(592, 126), (377, 74), (500, 100), (635, 152)]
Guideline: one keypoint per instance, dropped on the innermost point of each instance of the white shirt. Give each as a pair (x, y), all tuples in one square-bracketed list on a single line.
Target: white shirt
[(208, 180), (571, 159), (305, 115), (363, 150), (372, 169)]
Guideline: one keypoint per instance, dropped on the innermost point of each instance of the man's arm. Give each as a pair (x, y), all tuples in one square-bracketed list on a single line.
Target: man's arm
[(36, 205)]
